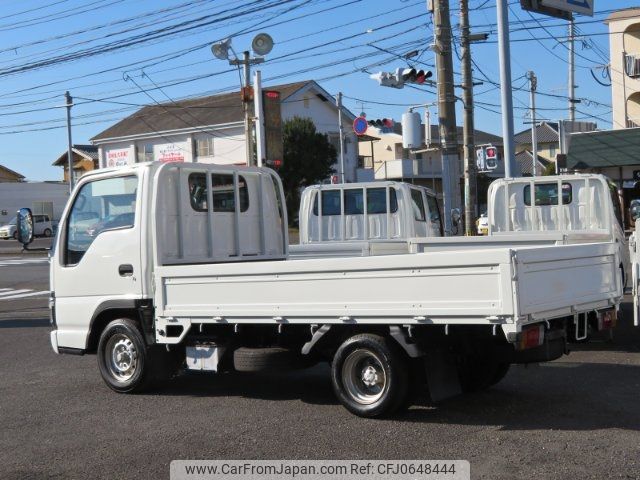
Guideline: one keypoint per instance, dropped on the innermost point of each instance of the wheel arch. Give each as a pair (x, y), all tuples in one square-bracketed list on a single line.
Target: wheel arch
[(140, 311)]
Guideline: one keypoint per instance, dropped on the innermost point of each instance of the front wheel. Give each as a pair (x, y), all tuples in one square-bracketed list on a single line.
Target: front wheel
[(123, 357), (370, 375)]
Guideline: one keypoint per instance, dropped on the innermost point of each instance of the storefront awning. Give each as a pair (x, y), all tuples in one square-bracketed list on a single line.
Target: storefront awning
[(611, 148)]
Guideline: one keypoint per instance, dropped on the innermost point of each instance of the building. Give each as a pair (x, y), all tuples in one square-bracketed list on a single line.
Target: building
[(8, 175), (382, 157), (624, 41), (548, 140), (615, 153), (85, 159), (211, 129), (47, 198)]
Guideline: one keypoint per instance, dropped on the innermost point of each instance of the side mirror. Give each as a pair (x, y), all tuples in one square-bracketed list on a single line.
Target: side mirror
[(455, 216), (24, 224)]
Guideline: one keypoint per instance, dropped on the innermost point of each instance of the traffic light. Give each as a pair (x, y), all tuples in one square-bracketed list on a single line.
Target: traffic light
[(381, 123), (276, 163), (491, 157), (411, 75), (387, 79)]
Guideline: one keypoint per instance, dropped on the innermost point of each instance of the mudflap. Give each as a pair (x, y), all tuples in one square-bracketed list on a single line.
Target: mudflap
[(550, 349), (442, 375)]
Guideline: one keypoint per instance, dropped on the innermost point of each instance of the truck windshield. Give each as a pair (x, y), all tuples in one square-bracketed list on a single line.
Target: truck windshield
[(99, 206)]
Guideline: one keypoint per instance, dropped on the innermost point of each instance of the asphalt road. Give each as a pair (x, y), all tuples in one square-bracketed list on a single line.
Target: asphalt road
[(574, 418)]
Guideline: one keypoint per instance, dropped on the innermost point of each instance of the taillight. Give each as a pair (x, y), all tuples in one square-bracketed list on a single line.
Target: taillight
[(531, 337)]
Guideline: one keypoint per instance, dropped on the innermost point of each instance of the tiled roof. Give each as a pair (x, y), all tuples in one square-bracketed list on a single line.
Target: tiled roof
[(547, 132), (90, 152), (11, 172), (184, 114), (524, 160)]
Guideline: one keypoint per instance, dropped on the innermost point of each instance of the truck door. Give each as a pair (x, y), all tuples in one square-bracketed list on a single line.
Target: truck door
[(98, 257)]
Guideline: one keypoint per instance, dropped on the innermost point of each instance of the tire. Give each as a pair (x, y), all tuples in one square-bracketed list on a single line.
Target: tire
[(265, 359), (124, 360), (477, 374), (47, 232), (15, 235), (370, 376)]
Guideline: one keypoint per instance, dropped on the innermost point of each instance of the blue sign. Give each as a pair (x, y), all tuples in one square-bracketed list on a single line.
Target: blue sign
[(360, 125)]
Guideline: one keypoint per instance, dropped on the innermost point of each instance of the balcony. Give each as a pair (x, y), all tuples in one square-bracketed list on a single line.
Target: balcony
[(633, 122), (632, 65)]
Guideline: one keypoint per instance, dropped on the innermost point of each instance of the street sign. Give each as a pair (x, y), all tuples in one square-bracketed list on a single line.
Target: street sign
[(583, 7), (537, 7), (360, 125), (480, 160)]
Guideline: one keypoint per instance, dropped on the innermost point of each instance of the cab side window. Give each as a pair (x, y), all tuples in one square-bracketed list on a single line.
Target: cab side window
[(99, 206)]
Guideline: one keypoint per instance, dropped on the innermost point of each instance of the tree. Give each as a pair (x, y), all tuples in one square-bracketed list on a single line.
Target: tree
[(550, 169), (308, 160)]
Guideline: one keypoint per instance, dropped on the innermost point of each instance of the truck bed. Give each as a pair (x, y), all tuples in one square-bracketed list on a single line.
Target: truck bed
[(472, 285), (436, 244)]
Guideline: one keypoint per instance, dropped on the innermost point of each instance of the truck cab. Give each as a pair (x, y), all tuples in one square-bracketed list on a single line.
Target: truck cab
[(368, 211)]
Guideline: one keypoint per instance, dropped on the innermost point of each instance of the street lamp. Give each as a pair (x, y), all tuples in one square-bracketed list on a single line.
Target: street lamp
[(261, 45)]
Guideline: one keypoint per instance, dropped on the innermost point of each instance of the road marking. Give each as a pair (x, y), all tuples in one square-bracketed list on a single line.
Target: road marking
[(22, 261), (13, 292), (23, 295)]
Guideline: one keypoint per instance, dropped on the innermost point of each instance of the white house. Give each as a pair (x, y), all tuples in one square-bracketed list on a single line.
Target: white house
[(211, 129)]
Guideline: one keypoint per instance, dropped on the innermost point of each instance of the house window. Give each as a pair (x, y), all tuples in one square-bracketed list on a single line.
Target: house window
[(204, 147), (145, 153), (552, 151)]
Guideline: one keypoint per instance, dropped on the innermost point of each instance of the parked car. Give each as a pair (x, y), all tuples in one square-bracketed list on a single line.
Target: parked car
[(41, 227), (482, 224), (9, 230)]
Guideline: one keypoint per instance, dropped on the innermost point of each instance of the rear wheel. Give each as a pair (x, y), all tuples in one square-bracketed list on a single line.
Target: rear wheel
[(47, 232), (478, 374), (370, 376), (123, 358)]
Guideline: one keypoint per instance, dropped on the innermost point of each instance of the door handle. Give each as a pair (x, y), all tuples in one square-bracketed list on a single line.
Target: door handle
[(125, 270)]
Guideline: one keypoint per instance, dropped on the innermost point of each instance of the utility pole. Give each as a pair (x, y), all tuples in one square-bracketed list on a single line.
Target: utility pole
[(533, 85), (572, 71), (446, 111), (69, 104), (341, 131), (505, 87), (246, 95), (259, 119), (467, 125)]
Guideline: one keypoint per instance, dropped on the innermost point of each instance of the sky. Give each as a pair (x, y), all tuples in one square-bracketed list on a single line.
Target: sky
[(115, 56)]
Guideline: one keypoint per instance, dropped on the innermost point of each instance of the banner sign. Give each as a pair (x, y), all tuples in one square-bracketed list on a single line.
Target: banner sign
[(119, 157)]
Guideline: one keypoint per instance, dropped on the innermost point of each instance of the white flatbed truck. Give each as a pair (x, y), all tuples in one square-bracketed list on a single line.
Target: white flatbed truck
[(189, 264)]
